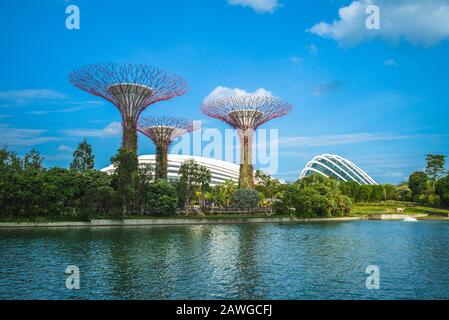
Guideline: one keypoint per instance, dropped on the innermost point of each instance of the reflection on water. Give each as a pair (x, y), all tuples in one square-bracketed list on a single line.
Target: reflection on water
[(252, 261)]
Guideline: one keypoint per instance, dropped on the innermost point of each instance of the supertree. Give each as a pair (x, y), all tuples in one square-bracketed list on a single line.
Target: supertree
[(162, 131), (131, 88), (246, 114)]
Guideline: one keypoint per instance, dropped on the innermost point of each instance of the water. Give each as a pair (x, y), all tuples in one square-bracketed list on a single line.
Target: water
[(325, 260)]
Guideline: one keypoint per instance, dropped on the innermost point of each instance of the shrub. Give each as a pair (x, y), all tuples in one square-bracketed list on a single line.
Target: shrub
[(246, 199), (162, 197)]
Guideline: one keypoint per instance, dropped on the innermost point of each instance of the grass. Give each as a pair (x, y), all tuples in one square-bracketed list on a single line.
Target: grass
[(389, 207)]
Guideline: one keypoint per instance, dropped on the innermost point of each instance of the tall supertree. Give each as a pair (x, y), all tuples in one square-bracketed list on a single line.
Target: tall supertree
[(246, 114), (163, 131), (131, 88)]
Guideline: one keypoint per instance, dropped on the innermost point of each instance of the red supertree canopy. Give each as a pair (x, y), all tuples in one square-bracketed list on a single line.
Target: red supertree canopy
[(246, 112), (164, 130), (131, 88)]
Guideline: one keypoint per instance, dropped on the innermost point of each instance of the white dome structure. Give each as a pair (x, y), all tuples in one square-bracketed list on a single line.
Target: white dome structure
[(336, 167), (220, 170)]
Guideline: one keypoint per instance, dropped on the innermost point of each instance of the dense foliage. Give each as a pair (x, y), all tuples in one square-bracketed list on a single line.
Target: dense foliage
[(28, 190)]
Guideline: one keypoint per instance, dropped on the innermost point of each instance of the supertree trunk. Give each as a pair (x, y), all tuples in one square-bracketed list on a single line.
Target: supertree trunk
[(246, 176), (161, 162), (129, 141)]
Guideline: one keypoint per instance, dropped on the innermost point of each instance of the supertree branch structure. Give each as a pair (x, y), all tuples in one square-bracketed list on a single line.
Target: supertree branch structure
[(131, 88), (246, 114), (162, 131)]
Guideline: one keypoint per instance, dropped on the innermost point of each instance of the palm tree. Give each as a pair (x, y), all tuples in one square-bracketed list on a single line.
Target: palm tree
[(203, 178)]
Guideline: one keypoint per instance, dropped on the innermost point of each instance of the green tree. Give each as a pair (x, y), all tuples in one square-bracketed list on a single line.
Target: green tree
[(246, 199), (435, 167), (378, 193), (142, 185), (227, 190), (123, 181), (418, 182), (83, 158), (33, 161), (162, 197), (188, 182), (269, 187), (203, 178), (442, 190)]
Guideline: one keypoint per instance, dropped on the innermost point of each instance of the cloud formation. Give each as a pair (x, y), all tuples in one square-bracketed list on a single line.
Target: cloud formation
[(341, 139), (23, 137), (113, 129), (327, 87), (422, 23), (29, 95), (260, 6), (221, 92), (390, 63)]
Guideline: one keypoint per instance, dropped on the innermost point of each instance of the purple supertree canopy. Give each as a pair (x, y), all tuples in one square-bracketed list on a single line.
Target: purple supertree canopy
[(163, 130), (246, 112), (131, 88)]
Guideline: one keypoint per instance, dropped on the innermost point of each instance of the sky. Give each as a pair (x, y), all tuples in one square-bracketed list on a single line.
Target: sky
[(378, 97)]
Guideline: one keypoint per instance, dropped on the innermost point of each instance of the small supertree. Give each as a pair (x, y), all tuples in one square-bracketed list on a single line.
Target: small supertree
[(131, 88), (246, 114), (162, 131)]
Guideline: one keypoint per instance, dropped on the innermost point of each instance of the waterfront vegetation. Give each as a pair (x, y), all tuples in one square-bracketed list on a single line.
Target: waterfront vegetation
[(30, 192)]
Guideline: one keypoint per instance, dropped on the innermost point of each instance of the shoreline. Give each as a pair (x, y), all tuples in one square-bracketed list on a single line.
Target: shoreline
[(204, 221), (169, 222)]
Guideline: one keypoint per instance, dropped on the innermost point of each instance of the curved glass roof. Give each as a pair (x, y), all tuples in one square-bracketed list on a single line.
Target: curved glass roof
[(337, 167)]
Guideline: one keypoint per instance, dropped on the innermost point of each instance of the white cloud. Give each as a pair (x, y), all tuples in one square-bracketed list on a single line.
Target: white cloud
[(340, 139), (65, 148), (257, 5), (312, 48), (390, 63), (113, 129), (422, 23), (221, 92), (327, 87), (23, 137), (27, 95)]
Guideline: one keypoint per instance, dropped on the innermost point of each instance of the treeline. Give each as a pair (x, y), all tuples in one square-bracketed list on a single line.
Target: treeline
[(28, 190)]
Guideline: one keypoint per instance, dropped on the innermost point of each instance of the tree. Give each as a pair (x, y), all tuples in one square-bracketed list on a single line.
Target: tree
[(418, 182), (435, 167), (83, 158), (267, 186), (32, 160), (442, 190), (142, 184), (161, 197), (188, 182), (123, 181), (227, 190), (246, 199), (378, 193), (203, 178)]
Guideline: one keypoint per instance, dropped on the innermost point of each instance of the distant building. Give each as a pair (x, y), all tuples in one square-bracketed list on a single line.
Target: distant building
[(337, 167), (220, 170)]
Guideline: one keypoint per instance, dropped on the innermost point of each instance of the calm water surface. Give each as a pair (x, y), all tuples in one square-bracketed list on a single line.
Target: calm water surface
[(325, 260)]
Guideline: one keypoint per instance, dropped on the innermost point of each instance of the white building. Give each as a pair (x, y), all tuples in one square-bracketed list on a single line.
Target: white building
[(337, 167), (220, 170)]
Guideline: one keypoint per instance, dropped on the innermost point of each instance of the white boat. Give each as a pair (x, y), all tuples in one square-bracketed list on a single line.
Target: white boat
[(410, 219)]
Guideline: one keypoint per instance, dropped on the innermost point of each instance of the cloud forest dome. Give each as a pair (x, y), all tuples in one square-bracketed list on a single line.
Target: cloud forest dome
[(336, 167)]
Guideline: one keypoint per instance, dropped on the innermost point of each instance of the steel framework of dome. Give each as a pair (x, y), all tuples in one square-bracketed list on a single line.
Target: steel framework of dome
[(337, 167), (131, 88), (246, 114)]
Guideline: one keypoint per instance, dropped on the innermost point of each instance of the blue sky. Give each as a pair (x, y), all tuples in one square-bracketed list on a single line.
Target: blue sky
[(377, 97)]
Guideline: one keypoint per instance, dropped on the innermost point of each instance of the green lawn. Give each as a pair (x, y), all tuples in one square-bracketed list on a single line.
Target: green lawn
[(389, 207)]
